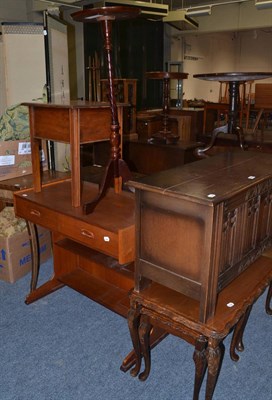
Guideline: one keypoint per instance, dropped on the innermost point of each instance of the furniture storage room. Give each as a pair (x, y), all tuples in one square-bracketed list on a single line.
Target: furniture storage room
[(136, 199)]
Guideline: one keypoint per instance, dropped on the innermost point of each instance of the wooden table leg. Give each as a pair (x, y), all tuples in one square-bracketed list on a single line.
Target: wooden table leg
[(214, 354), (133, 324), (144, 335), (124, 175), (200, 360), (268, 307), (156, 336), (237, 337), (49, 287), (34, 245)]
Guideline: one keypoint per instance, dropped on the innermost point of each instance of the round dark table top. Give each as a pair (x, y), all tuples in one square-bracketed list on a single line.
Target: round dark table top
[(103, 13), (166, 75), (234, 76)]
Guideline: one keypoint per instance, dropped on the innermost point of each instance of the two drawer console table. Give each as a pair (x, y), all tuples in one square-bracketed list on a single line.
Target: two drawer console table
[(84, 246)]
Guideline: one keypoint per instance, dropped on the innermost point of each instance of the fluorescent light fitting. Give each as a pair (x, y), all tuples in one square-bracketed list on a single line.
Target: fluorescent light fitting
[(199, 11), (262, 4), (180, 20), (57, 3)]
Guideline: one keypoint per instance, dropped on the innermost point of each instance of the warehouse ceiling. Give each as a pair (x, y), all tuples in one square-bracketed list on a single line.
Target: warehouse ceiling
[(190, 15), (173, 4)]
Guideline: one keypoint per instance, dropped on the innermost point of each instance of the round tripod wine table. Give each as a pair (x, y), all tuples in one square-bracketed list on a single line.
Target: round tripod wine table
[(165, 135), (116, 168), (234, 80)]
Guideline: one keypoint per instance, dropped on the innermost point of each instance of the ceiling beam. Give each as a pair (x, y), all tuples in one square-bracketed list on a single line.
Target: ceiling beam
[(234, 17)]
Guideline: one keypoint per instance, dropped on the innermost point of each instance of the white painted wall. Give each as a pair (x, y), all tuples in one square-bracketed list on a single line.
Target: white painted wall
[(219, 52), (245, 51), (253, 50), (13, 11), (78, 53), (216, 54)]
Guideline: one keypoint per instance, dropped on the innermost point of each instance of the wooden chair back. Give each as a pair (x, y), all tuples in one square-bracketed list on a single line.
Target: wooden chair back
[(263, 95)]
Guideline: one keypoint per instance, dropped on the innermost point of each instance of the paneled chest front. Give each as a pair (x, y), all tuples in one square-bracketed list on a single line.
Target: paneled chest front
[(201, 225)]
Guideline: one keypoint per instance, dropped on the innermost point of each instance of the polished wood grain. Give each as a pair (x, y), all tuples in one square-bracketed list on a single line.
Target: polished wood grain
[(84, 246), (109, 229)]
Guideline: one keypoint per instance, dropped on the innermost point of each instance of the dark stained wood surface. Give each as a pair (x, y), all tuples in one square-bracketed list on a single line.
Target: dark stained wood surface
[(149, 158), (222, 175), (234, 76), (232, 301)]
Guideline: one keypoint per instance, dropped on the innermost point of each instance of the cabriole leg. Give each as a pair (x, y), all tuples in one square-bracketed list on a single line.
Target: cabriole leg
[(200, 360), (144, 335), (133, 325)]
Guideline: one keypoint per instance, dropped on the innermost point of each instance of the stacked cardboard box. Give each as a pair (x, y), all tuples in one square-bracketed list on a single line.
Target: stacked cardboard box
[(15, 249), (15, 159), (15, 146)]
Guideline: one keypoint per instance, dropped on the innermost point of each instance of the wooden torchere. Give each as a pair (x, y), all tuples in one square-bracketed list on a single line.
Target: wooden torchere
[(165, 135), (116, 167)]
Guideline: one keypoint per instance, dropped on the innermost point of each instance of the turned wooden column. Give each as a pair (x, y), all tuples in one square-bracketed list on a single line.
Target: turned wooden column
[(165, 135), (116, 168)]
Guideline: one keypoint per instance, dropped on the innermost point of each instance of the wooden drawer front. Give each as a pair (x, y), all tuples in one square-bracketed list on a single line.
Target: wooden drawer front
[(53, 126), (36, 214), (95, 124), (92, 236)]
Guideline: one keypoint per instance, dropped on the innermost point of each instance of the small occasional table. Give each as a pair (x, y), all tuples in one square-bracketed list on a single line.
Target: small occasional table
[(165, 135), (234, 80)]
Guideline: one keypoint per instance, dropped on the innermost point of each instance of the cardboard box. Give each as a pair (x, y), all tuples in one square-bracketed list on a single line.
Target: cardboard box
[(15, 158), (15, 254)]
